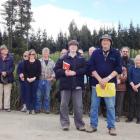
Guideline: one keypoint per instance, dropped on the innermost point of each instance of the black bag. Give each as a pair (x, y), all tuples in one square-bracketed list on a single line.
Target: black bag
[(4, 79)]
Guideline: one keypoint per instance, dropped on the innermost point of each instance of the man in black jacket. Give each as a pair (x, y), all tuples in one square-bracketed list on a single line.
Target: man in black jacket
[(70, 70)]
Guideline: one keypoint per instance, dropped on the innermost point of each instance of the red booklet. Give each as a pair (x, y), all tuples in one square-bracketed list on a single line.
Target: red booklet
[(66, 66)]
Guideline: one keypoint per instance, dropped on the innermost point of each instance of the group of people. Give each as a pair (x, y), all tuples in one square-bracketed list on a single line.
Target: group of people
[(105, 65)]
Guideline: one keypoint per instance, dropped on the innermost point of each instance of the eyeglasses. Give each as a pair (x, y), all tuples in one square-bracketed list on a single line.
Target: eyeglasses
[(31, 54)]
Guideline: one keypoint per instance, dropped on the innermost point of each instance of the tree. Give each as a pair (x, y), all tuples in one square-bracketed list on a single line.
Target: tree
[(9, 16), (61, 41), (0, 38), (85, 38), (73, 31), (24, 18)]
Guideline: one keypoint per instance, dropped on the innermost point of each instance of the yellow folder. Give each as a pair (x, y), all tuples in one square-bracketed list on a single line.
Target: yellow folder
[(108, 91)]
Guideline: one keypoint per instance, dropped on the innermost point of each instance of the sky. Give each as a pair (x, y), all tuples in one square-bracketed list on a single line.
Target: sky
[(55, 15)]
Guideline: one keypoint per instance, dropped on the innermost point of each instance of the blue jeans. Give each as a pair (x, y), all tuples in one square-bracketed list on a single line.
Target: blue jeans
[(110, 106), (31, 89), (23, 91), (43, 95)]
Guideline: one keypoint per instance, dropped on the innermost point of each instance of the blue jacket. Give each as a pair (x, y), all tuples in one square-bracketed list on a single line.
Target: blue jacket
[(77, 64), (104, 67), (20, 68), (7, 65), (134, 75)]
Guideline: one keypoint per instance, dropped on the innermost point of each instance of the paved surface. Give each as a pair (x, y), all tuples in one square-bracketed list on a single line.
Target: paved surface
[(20, 126)]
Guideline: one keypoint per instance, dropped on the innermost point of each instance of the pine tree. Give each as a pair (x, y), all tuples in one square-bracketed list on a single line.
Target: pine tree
[(9, 15)]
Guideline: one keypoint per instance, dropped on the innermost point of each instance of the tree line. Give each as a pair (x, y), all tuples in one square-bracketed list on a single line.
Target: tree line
[(17, 18)]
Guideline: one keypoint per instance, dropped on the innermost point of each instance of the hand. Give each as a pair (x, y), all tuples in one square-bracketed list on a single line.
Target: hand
[(21, 76), (138, 85), (70, 73), (32, 79), (4, 73), (135, 88), (28, 79)]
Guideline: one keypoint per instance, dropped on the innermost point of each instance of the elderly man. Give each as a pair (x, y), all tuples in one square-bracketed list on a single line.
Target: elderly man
[(70, 70), (104, 65), (44, 87)]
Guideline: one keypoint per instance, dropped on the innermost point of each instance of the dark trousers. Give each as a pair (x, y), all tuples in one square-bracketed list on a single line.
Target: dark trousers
[(119, 102), (31, 94), (23, 92), (134, 104), (77, 107)]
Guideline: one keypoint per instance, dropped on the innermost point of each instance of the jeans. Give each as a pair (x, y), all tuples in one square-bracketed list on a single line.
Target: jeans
[(110, 107), (23, 92), (31, 89), (43, 95)]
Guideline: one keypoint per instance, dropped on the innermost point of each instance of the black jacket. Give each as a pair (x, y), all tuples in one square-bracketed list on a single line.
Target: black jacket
[(77, 64)]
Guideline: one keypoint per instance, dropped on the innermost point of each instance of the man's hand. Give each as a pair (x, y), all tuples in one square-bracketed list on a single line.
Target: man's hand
[(103, 82), (70, 73), (4, 73)]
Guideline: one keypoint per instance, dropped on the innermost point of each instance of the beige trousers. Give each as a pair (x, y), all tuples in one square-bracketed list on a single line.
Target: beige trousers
[(5, 91)]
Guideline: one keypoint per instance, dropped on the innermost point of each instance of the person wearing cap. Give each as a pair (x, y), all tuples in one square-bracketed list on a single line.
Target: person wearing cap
[(22, 81), (70, 71), (6, 78), (104, 65)]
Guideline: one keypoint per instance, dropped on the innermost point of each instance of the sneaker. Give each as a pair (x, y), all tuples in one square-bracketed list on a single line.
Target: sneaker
[(117, 119), (129, 120), (23, 109), (65, 128), (112, 132), (90, 129), (33, 112), (82, 128), (28, 112)]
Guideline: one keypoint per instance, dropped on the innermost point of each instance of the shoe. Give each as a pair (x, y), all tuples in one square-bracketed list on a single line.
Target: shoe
[(112, 132), (138, 121), (37, 112), (47, 112), (8, 110), (82, 128), (90, 129), (65, 128), (117, 119), (23, 109), (33, 112), (129, 120), (28, 112)]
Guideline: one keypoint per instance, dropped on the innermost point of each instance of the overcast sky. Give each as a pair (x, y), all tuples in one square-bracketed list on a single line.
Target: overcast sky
[(55, 15)]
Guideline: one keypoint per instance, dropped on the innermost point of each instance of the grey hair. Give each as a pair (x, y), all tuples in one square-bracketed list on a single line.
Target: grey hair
[(45, 50)]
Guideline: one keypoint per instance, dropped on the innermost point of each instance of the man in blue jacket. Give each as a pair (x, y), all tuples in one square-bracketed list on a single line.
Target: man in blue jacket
[(104, 65), (70, 71)]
